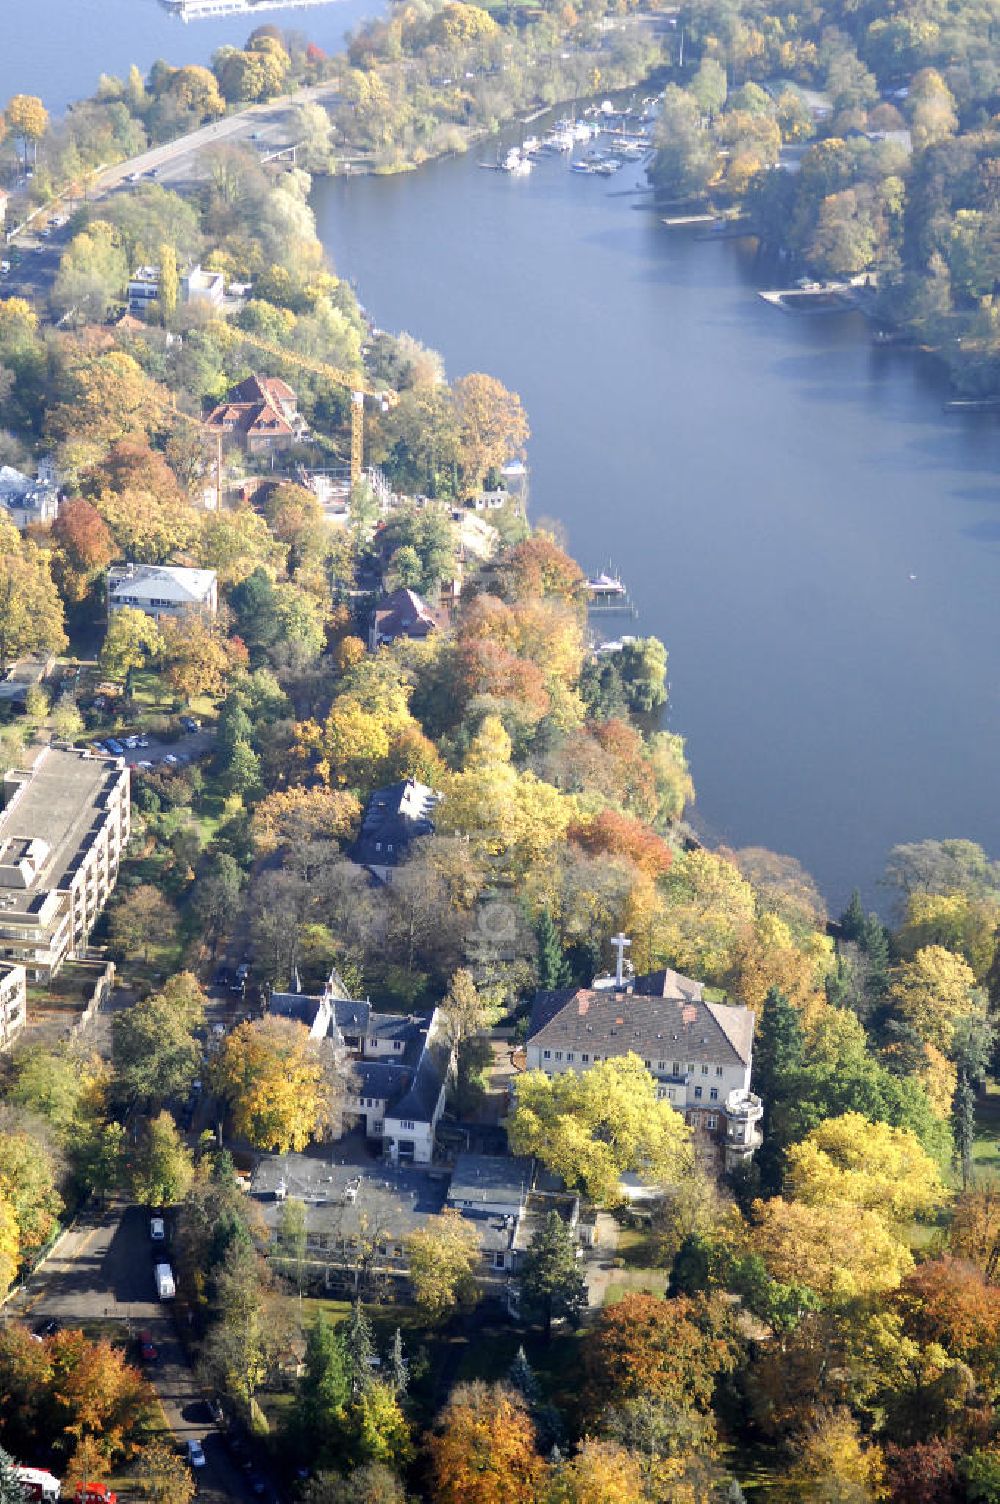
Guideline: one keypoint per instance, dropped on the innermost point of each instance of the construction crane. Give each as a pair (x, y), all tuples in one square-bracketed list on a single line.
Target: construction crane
[(359, 390)]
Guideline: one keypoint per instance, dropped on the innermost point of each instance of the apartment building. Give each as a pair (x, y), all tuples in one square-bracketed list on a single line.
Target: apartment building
[(64, 823)]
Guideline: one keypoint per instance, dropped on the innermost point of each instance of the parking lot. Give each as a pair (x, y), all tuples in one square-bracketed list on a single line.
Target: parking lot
[(147, 752)]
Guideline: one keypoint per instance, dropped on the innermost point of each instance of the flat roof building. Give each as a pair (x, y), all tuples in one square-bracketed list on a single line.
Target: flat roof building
[(64, 824), (13, 1002)]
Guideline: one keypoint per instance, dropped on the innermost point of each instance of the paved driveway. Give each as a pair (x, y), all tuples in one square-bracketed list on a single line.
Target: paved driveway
[(102, 1272)]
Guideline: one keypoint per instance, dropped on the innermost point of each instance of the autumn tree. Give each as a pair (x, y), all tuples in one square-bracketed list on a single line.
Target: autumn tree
[(933, 992), (198, 656), (492, 426), (110, 398), (163, 1476), (834, 1465), (482, 1450), (132, 639), (841, 1252), (31, 613), (83, 548), (443, 1258), (667, 1350), (28, 120), (290, 819), (949, 1301), (592, 1128), (278, 1082), (140, 919), (160, 1166), (601, 1472), (870, 1165)]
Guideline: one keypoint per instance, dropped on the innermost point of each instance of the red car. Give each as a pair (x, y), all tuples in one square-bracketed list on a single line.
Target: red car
[(95, 1493), (147, 1348)]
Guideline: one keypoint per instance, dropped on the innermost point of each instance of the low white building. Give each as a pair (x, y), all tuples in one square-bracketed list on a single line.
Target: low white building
[(196, 286), (13, 1002), (160, 590)]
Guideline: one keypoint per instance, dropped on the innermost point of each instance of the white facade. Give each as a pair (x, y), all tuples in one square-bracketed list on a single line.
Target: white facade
[(13, 1002), (162, 590), (685, 1083), (28, 501), (64, 825)]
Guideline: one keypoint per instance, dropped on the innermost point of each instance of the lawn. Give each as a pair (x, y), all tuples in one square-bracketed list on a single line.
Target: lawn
[(986, 1145)]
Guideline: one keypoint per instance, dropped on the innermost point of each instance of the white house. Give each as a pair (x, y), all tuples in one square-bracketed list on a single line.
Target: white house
[(699, 1052), (29, 501), (161, 590)]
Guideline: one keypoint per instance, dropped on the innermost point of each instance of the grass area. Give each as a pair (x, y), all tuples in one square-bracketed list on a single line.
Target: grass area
[(986, 1144), (636, 1281)]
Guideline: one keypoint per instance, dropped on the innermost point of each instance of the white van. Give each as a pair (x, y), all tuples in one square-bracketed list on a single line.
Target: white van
[(163, 1277)]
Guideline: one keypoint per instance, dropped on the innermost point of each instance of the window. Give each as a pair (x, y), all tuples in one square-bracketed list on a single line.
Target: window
[(713, 1095), (499, 1261), (410, 1126), (704, 1070), (697, 1092), (570, 1055), (670, 1094), (585, 1059), (718, 1070), (661, 1065), (712, 1120), (676, 1068), (648, 1064), (546, 1054), (558, 1054), (690, 1068)]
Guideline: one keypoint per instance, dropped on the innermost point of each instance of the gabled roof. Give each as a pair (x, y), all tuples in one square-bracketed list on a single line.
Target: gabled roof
[(680, 1026), (394, 817), (381, 1078), (403, 613)]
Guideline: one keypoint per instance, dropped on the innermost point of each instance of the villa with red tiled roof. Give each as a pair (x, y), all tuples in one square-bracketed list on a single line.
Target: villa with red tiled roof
[(700, 1053), (260, 415)]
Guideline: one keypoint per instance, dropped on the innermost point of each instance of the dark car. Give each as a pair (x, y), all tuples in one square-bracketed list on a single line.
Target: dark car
[(47, 1328), (190, 725)]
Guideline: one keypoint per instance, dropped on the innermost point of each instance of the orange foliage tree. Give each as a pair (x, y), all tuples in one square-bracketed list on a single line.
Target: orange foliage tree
[(668, 1350), (483, 1448)]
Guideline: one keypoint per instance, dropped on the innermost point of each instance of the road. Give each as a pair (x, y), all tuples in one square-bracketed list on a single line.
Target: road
[(102, 1272), (172, 165)]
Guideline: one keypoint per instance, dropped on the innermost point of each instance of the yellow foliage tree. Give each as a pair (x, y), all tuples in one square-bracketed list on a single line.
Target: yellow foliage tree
[(601, 1473), (834, 1466), (443, 1256), (492, 424), (31, 613), (593, 1128), (9, 1245), (841, 1252), (710, 905), (277, 1082), (958, 921), (933, 992), (767, 955), (868, 1165)]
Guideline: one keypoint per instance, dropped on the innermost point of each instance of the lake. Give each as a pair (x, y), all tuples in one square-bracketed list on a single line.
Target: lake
[(817, 543), (59, 48)]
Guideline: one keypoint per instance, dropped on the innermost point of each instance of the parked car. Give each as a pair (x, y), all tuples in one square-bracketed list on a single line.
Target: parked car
[(115, 746), (190, 725), (47, 1328), (195, 1453), (157, 1230), (147, 1348), (171, 760)]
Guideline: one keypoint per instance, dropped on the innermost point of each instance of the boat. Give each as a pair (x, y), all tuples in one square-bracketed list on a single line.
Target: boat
[(517, 165), (608, 167), (605, 586)]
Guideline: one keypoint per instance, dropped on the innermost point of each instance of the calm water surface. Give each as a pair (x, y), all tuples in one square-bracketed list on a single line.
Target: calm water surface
[(816, 542), (59, 48)]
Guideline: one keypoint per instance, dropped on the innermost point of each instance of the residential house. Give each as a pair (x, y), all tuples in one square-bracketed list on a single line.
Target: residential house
[(64, 824), (699, 1052), (403, 613), (4, 201), (394, 818), (196, 286), (13, 1002), (399, 1067), (29, 501), (206, 288), (260, 416), (160, 590)]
